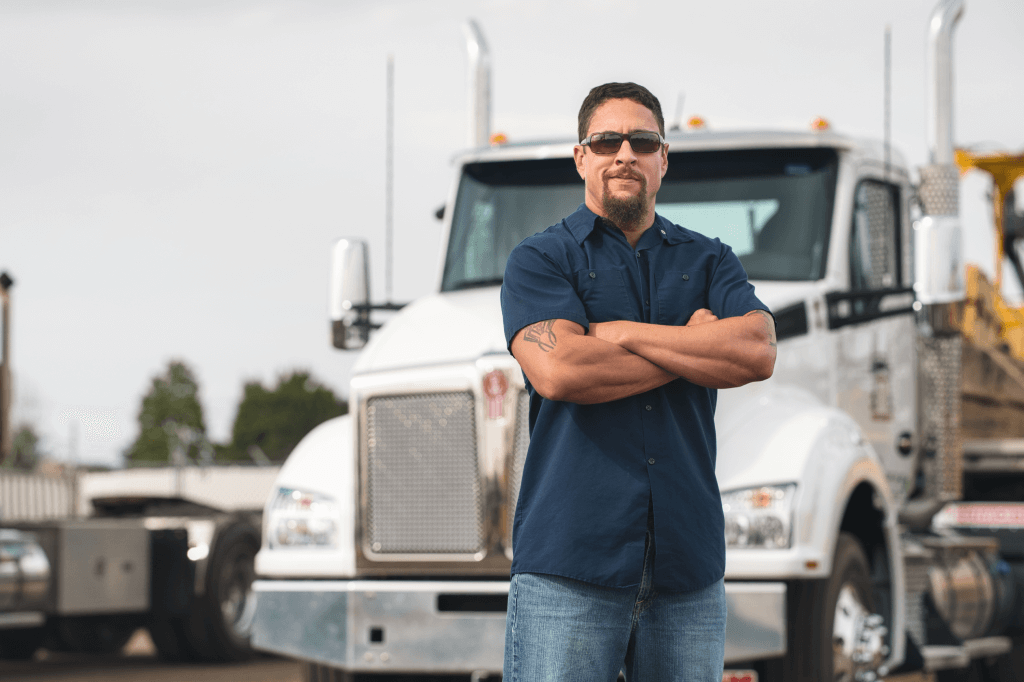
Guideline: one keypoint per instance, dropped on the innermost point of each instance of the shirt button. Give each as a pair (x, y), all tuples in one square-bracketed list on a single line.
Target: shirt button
[(663, 231), (647, 302), (649, 408), (593, 275), (650, 461), (685, 277)]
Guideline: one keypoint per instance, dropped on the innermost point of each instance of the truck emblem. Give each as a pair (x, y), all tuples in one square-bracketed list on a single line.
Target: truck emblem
[(495, 387)]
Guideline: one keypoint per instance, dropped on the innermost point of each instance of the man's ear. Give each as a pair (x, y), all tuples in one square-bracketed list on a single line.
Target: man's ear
[(664, 159), (577, 154)]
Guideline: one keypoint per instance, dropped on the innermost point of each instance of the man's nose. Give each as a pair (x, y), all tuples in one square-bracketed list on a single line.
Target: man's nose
[(626, 154)]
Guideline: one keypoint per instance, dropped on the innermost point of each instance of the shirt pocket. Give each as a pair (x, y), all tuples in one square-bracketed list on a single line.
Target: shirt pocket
[(681, 293), (604, 295)]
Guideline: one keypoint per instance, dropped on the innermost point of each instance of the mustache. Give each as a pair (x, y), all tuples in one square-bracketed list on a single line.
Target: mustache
[(627, 174)]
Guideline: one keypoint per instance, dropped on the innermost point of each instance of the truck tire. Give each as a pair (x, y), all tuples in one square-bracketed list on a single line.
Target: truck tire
[(220, 625), (20, 645), (816, 607)]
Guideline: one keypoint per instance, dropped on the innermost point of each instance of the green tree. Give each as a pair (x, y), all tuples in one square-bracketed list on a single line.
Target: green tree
[(169, 409), (25, 450), (270, 422)]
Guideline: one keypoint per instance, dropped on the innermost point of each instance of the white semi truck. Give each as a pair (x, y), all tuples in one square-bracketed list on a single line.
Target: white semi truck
[(872, 487)]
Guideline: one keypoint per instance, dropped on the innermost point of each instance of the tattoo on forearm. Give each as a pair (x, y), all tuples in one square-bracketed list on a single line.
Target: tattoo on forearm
[(769, 325), (542, 334)]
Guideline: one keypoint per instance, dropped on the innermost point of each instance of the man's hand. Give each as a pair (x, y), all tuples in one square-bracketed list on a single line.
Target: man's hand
[(702, 316)]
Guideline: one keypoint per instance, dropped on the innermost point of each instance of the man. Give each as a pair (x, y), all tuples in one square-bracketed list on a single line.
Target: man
[(625, 325)]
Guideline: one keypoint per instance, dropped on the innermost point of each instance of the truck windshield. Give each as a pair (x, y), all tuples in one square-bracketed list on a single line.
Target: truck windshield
[(773, 207)]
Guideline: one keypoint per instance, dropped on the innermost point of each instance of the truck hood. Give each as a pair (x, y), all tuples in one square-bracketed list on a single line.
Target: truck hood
[(438, 329), (464, 325)]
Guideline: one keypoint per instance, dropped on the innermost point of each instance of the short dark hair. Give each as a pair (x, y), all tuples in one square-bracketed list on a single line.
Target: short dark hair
[(630, 91)]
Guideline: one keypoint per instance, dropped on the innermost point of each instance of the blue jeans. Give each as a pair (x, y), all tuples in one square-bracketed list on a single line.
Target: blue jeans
[(564, 630)]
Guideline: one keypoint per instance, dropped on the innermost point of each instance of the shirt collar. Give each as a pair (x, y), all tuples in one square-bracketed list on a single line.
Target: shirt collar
[(582, 222)]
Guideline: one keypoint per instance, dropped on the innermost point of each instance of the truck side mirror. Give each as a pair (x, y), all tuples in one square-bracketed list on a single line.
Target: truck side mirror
[(350, 294), (938, 260)]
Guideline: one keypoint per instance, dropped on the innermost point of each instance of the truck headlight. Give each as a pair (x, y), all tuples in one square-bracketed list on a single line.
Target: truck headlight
[(759, 518), (302, 519)]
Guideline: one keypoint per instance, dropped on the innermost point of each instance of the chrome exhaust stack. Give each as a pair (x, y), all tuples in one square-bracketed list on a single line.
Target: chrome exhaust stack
[(479, 85), (939, 273), (939, 281)]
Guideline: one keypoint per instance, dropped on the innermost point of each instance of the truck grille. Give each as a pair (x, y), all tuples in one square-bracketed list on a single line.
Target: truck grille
[(519, 448), (422, 473)]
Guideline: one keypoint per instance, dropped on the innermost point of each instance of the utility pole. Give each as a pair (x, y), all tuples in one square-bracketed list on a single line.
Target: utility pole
[(6, 437)]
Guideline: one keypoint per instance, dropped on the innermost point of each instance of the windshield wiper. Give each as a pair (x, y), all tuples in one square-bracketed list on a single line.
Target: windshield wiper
[(477, 283)]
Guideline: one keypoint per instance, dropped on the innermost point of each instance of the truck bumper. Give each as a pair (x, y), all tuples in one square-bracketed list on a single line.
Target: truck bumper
[(450, 627)]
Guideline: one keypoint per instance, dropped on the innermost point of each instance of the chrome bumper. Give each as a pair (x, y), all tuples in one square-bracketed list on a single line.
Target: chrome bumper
[(423, 626)]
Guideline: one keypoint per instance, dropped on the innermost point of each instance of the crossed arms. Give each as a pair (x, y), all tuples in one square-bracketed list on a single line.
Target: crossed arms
[(618, 359)]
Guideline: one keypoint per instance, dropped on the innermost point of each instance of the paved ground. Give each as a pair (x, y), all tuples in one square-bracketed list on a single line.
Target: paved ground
[(140, 664)]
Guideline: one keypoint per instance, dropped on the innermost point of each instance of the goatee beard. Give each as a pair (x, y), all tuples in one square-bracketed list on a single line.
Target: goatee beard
[(627, 213)]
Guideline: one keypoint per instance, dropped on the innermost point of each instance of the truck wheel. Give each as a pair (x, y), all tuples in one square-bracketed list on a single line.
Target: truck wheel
[(827, 617), (21, 645), (222, 618)]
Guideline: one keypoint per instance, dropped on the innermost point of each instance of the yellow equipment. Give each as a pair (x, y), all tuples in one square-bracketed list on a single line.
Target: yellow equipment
[(987, 319)]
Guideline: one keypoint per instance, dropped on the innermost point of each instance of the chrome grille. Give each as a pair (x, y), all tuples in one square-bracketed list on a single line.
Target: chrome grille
[(422, 475), (519, 448)]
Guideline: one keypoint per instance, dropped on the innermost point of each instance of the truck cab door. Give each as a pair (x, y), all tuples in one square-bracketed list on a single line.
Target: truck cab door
[(873, 321)]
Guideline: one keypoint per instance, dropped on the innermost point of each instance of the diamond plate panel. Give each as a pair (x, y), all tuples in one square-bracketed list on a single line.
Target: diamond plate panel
[(940, 363), (518, 459), (940, 190), (422, 472)]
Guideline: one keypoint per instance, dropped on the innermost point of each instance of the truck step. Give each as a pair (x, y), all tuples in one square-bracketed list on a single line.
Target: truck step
[(938, 657), (993, 455)]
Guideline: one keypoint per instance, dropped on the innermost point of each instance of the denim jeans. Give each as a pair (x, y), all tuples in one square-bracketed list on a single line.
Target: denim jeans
[(564, 630)]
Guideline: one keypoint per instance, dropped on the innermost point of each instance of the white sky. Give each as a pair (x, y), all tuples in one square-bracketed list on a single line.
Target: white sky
[(172, 173)]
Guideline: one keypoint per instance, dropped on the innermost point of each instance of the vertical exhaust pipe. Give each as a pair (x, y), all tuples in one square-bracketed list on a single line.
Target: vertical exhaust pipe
[(940, 82), (479, 85), (939, 283), (940, 181)]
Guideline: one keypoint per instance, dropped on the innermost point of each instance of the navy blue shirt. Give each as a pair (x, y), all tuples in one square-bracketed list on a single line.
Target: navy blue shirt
[(591, 470)]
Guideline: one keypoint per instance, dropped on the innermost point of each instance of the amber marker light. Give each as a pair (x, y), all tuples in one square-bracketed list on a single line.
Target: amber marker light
[(820, 124), (761, 499), (499, 139), (697, 123)]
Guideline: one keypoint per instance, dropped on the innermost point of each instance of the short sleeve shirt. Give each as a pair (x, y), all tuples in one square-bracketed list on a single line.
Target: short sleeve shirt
[(592, 470)]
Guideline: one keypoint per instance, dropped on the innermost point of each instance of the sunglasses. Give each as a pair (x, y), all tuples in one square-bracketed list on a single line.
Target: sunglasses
[(609, 143)]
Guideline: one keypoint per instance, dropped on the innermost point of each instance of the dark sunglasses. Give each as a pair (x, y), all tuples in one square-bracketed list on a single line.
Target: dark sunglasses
[(609, 143)]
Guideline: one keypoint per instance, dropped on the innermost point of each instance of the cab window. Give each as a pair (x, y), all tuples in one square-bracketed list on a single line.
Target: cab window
[(875, 237)]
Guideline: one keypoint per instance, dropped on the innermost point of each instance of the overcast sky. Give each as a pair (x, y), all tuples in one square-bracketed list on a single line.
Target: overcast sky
[(173, 173)]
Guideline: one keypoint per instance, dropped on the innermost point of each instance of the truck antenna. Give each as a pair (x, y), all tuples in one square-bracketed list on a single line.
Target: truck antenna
[(677, 122), (389, 181), (887, 122), (6, 437)]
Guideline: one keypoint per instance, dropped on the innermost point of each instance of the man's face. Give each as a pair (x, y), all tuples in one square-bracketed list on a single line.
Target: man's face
[(615, 182)]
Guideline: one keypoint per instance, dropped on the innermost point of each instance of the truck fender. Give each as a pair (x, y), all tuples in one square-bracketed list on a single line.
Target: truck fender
[(786, 435), (323, 463)]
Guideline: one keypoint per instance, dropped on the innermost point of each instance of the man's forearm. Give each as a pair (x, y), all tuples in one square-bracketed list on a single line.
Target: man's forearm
[(720, 354), (564, 364)]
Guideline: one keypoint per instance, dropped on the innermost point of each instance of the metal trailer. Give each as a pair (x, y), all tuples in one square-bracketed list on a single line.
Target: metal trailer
[(154, 553), (872, 488)]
